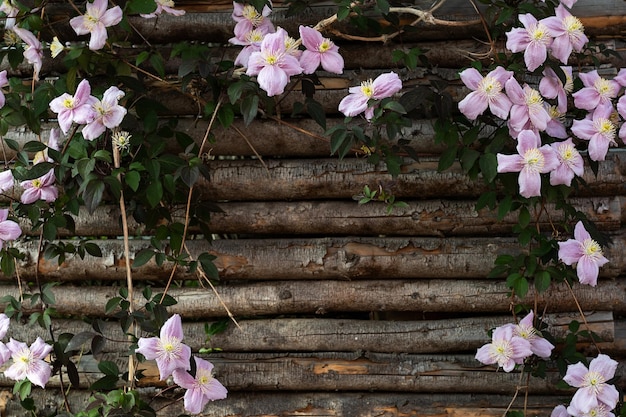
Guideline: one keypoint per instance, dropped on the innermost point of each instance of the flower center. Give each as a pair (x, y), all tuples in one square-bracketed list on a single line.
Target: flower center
[(68, 103), (37, 183), (573, 24), (527, 332), (502, 351), (367, 87), (534, 160), (594, 380), (540, 34), (592, 249), (271, 59), (569, 83), (604, 88), (254, 35), (605, 127), (170, 347), (168, 3), (325, 45), (566, 152), (90, 21), (533, 98), (490, 87), (249, 12)]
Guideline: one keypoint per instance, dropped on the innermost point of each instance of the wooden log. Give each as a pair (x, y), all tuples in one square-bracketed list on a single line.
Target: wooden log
[(338, 371), (342, 335), (331, 297), (311, 404), (324, 258), (421, 218), (249, 180)]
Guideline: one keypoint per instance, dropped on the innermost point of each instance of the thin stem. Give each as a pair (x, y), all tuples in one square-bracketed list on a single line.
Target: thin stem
[(517, 390), (582, 316), (129, 275)]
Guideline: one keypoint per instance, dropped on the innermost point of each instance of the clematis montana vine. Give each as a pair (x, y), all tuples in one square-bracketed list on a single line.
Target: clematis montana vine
[(28, 362), (551, 86), (166, 6), (272, 64), (42, 188), (9, 230), (384, 86), (95, 21), (168, 350), (248, 18), (505, 349), (571, 163), (593, 390), (599, 130), (77, 108), (108, 114), (527, 111), (33, 52), (487, 93), (568, 32), (597, 91), (538, 345), (201, 389), (585, 252), (534, 40), (531, 161), (319, 51)]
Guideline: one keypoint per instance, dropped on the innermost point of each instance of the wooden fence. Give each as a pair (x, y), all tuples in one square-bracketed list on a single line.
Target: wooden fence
[(344, 310)]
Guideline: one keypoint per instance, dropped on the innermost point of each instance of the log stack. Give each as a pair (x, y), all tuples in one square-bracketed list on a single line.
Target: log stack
[(342, 309)]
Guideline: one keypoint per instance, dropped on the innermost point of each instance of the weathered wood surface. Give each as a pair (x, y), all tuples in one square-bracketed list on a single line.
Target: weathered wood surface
[(314, 404), (319, 259), (421, 218), (329, 297), (330, 371), (249, 180), (342, 335)]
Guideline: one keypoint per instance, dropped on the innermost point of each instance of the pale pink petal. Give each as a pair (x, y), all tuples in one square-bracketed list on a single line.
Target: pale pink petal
[(471, 78), (386, 85), (112, 17), (332, 62), (273, 80), (509, 163), (473, 105), (309, 61), (570, 252), (529, 183), (98, 37)]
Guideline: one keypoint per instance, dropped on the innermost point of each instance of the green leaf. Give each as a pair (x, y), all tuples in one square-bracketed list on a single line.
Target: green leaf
[(112, 304), (524, 217), (489, 167), (505, 207), (316, 111), (106, 383), (141, 6), (132, 178), (395, 106), (542, 281), (249, 108), (447, 158), (142, 257), (109, 368), (154, 193), (209, 268), (34, 146), (78, 340), (93, 249), (92, 195)]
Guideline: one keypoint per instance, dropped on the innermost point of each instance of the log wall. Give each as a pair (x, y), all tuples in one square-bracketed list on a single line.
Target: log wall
[(343, 309)]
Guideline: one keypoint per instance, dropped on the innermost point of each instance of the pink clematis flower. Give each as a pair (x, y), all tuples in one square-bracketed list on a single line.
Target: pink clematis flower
[(272, 64), (42, 188), (95, 21), (559, 411), (3, 83), (527, 108), (555, 127), (248, 18), (531, 161), (570, 163), (168, 350), (319, 50), (487, 92), (201, 389), (568, 32), (11, 13), (534, 40), (538, 345), (5, 353), (597, 91), (166, 6), (599, 130), (109, 114), (29, 362), (600, 411), (384, 86), (77, 108), (505, 349), (585, 252), (33, 52), (593, 390), (6, 180), (621, 110), (9, 230), (251, 42), (551, 86)]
